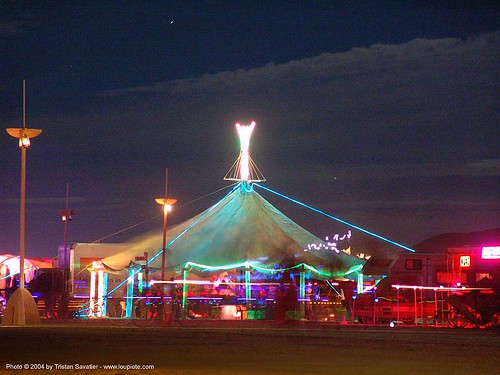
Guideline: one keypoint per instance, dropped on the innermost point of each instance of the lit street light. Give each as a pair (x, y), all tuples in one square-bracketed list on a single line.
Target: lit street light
[(167, 206), (21, 307)]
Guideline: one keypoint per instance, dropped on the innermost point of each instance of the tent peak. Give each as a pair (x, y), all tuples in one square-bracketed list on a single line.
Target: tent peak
[(244, 168)]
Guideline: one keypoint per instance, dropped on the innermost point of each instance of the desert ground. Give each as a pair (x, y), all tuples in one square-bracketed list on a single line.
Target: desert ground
[(265, 348)]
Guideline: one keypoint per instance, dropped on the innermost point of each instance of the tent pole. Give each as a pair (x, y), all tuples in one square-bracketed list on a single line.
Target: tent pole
[(248, 289), (100, 291), (360, 282), (185, 276), (92, 291), (104, 293), (302, 292), (130, 293)]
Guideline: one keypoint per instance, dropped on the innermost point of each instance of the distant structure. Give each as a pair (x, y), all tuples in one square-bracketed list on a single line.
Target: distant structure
[(244, 168)]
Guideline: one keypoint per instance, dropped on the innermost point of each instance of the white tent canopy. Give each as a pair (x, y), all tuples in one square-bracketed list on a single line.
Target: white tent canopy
[(9, 267)]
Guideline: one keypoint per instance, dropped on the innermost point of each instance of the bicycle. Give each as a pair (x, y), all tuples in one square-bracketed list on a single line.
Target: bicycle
[(141, 313), (116, 312), (3, 306), (88, 312), (163, 311)]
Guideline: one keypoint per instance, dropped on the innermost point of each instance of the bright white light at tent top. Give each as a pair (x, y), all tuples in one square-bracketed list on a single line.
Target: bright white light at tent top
[(245, 132), (244, 169)]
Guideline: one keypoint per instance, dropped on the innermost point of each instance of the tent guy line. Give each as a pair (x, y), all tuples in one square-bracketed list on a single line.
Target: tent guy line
[(161, 214)]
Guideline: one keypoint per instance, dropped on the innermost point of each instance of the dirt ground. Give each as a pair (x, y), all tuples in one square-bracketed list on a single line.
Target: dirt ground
[(264, 349)]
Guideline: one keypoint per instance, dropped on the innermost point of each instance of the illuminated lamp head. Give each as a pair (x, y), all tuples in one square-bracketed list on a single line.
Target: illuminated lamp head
[(24, 135), (24, 141)]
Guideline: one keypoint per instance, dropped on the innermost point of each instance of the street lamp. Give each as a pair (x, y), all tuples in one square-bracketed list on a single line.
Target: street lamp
[(21, 307), (66, 217), (64, 257), (167, 206)]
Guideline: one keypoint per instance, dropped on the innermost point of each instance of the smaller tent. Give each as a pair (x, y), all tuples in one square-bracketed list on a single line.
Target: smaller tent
[(9, 269)]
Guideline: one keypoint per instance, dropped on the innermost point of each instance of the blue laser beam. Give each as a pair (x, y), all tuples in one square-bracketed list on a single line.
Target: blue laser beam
[(337, 219)]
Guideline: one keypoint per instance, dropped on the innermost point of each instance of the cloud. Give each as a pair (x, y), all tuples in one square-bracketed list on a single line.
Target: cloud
[(424, 204), (380, 103), (19, 26), (420, 110), (42, 200), (486, 167), (360, 69)]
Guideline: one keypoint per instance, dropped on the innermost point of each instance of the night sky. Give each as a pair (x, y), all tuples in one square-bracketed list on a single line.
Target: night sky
[(384, 115)]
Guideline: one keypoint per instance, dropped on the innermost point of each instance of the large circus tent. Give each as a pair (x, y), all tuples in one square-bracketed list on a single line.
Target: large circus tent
[(242, 230), (242, 239)]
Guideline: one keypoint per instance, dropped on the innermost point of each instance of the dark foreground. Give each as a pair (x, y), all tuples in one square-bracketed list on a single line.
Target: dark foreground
[(233, 349)]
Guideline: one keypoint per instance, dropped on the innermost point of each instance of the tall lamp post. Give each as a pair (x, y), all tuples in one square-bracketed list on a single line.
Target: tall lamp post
[(21, 307), (66, 217), (65, 258), (167, 206)]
